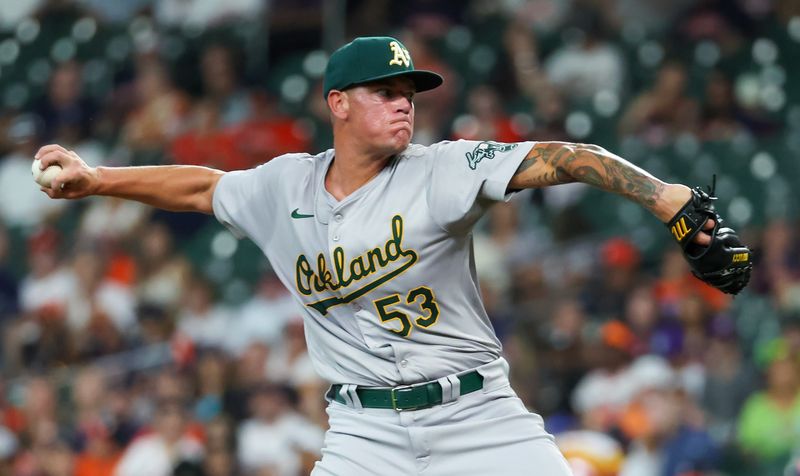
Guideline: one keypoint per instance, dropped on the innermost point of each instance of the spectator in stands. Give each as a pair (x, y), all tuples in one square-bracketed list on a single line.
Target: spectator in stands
[(204, 143), (297, 26), (541, 16), (117, 12), (88, 394), (429, 18), (549, 115), (263, 317), (96, 452), (642, 316), (659, 114), (211, 384), (67, 114), (100, 454), (45, 452), (695, 318), (21, 202), (109, 219), (561, 346), (168, 445), (276, 439), (220, 463), (162, 272), (498, 246), (220, 448), (767, 430), (202, 318), (665, 425), (606, 389), (100, 312), (9, 301), (248, 371), (780, 273), (160, 112), (726, 24), (220, 433), (720, 118), (589, 64), (231, 127), (8, 447), (221, 70), (591, 453), (486, 118), (40, 335), (730, 378), (605, 294), (653, 17), (723, 117), (288, 363), (205, 13)]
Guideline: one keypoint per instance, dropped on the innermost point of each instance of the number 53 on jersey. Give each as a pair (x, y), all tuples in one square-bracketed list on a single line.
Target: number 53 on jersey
[(422, 296)]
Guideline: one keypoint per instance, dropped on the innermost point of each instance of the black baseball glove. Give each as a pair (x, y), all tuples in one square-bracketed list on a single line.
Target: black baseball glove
[(725, 263)]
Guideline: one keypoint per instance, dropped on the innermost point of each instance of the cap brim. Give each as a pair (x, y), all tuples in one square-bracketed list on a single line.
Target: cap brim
[(424, 80)]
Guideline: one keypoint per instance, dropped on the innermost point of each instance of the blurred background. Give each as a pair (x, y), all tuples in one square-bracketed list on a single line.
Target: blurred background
[(140, 342)]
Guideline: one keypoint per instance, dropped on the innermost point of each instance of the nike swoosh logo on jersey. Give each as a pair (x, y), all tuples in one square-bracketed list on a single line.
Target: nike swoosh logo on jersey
[(296, 214)]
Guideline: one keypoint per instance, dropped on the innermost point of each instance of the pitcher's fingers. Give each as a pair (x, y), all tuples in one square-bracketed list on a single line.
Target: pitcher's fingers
[(54, 157), (48, 148), (702, 238), (709, 224), (59, 184)]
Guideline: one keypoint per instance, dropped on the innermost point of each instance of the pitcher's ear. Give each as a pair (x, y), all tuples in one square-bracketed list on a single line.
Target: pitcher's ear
[(338, 103)]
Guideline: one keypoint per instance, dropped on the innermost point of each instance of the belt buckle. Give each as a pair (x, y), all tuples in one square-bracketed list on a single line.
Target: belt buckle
[(394, 391)]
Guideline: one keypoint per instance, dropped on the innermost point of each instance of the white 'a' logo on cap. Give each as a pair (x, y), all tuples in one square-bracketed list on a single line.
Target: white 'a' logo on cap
[(401, 55)]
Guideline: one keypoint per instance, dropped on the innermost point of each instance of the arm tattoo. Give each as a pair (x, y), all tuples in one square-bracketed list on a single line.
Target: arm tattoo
[(552, 163), (544, 155)]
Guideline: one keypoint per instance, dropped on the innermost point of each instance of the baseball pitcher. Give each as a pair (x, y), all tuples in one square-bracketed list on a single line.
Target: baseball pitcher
[(373, 238)]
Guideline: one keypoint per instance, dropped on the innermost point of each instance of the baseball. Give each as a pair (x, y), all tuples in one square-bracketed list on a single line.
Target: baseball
[(44, 177)]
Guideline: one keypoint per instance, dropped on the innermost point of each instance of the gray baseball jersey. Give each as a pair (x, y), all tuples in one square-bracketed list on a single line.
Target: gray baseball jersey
[(386, 276)]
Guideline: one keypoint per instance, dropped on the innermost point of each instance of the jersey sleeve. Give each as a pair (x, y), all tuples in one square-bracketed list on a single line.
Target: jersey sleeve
[(469, 176), (243, 199)]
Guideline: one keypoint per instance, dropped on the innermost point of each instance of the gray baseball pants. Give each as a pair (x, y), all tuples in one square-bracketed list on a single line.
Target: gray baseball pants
[(484, 433)]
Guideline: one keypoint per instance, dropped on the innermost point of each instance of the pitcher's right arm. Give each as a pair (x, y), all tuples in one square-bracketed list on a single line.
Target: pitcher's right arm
[(184, 188)]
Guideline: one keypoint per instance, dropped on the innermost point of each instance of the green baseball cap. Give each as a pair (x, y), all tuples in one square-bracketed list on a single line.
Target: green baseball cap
[(371, 58)]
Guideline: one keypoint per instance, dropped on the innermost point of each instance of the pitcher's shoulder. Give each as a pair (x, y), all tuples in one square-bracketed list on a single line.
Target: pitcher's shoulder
[(420, 151), (301, 162), (304, 158)]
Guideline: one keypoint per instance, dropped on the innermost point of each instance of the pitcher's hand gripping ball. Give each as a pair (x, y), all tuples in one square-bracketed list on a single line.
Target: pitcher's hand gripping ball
[(44, 177)]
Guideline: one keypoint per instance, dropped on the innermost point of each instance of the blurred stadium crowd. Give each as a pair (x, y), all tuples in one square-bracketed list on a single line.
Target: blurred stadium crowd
[(140, 342)]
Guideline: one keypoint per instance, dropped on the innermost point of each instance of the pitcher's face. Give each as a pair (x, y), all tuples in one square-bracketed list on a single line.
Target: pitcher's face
[(381, 113)]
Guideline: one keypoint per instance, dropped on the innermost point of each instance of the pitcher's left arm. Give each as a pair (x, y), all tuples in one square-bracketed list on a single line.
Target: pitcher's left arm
[(715, 253), (553, 163)]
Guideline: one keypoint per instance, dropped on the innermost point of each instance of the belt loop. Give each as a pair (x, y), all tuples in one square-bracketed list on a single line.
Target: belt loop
[(351, 391), (344, 392), (447, 390), (455, 386), (451, 388)]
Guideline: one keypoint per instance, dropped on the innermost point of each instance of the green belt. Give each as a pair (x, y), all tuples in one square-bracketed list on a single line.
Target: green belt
[(408, 397)]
